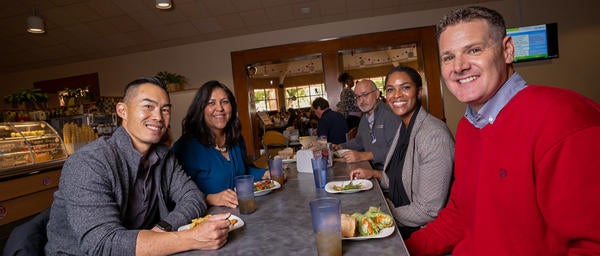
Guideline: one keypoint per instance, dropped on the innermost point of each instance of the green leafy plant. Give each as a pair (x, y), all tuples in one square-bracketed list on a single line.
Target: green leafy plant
[(77, 94), (170, 78), (82, 93), (31, 98)]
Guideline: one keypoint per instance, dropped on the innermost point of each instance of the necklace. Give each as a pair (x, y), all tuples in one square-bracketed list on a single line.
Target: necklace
[(221, 149)]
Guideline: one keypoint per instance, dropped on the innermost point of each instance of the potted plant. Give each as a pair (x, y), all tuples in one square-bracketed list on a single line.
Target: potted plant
[(29, 99), (174, 81), (74, 96), (14, 99)]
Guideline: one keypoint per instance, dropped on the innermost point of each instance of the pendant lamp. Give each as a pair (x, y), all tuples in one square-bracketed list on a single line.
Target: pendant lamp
[(35, 24)]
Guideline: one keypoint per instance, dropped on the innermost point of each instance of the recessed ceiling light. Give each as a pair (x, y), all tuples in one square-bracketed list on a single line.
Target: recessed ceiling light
[(163, 4)]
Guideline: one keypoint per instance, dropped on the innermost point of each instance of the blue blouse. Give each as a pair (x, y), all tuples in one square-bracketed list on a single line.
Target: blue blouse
[(211, 171)]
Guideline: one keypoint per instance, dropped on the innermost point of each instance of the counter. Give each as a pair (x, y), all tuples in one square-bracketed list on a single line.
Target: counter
[(28, 147), (31, 159), (281, 224)]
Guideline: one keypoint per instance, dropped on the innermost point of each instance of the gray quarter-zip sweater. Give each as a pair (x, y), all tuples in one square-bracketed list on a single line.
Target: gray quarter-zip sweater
[(90, 205)]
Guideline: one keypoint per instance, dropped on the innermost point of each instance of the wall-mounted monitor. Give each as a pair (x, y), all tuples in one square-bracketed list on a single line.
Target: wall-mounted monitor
[(536, 42)]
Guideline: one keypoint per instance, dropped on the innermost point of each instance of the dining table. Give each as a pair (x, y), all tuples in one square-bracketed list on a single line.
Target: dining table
[(282, 224)]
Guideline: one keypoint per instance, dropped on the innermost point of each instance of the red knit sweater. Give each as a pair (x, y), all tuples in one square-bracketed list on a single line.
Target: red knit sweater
[(528, 184)]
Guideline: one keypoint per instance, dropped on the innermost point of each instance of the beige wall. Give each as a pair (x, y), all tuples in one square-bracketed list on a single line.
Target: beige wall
[(579, 37)]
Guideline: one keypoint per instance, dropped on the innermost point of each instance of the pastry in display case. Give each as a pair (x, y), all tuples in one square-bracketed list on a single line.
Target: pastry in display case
[(27, 145)]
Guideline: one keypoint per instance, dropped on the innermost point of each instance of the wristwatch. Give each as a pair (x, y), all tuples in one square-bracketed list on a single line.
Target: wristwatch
[(164, 226)]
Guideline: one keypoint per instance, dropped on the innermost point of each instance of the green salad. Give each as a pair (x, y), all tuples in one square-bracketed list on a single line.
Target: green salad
[(349, 186)]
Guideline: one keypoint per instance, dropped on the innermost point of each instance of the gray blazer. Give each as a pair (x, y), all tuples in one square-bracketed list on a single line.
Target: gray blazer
[(427, 170)]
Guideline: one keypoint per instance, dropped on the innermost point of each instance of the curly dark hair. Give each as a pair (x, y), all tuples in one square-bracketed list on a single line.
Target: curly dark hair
[(346, 79), (194, 125), (465, 14)]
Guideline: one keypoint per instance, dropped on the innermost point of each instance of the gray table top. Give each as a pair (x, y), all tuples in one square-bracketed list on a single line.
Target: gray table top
[(281, 224)]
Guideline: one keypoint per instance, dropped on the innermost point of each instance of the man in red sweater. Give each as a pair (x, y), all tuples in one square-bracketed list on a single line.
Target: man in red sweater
[(527, 163)]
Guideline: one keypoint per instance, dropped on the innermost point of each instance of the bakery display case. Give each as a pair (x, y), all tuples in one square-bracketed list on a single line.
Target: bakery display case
[(27, 147), (31, 158)]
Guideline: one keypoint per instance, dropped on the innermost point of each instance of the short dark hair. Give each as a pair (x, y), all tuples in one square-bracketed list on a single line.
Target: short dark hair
[(131, 86), (465, 14), (194, 125), (320, 103)]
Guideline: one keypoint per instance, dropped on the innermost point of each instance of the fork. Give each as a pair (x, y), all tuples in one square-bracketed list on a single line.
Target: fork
[(349, 183)]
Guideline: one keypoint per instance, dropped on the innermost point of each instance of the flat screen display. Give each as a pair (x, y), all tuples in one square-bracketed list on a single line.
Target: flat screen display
[(535, 42)]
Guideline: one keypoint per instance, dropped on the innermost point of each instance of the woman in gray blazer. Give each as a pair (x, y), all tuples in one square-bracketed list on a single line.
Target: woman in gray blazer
[(418, 166)]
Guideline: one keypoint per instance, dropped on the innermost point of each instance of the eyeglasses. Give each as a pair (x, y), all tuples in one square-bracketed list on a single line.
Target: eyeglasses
[(358, 97)]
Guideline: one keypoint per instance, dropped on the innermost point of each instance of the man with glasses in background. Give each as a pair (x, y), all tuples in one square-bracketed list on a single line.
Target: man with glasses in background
[(376, 129)]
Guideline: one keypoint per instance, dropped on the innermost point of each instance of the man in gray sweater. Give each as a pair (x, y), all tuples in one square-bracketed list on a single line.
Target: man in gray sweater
[(376, 130), (126, 194)]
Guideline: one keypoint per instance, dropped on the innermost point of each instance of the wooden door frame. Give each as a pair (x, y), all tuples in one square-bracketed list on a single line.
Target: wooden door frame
[(428, 60)]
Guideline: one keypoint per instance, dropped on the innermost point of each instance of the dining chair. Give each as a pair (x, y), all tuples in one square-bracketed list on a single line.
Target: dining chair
[(261, 162), (351, 133), (28, 238), (273, 142)]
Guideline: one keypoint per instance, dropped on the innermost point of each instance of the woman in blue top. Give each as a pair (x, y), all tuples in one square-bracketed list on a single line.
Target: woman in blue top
[(211, 149)]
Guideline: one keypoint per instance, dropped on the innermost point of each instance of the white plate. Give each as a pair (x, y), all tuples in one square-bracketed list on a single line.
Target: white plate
[(382, 233), (238, 224), (366, 185), (267, 191)]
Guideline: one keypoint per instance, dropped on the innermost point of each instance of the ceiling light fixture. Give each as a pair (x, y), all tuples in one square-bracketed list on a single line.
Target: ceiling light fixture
[(163, 4), (35, 24)]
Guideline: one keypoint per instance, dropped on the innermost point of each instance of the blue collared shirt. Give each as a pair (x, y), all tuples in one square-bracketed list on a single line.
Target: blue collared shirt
[(488, 113)]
